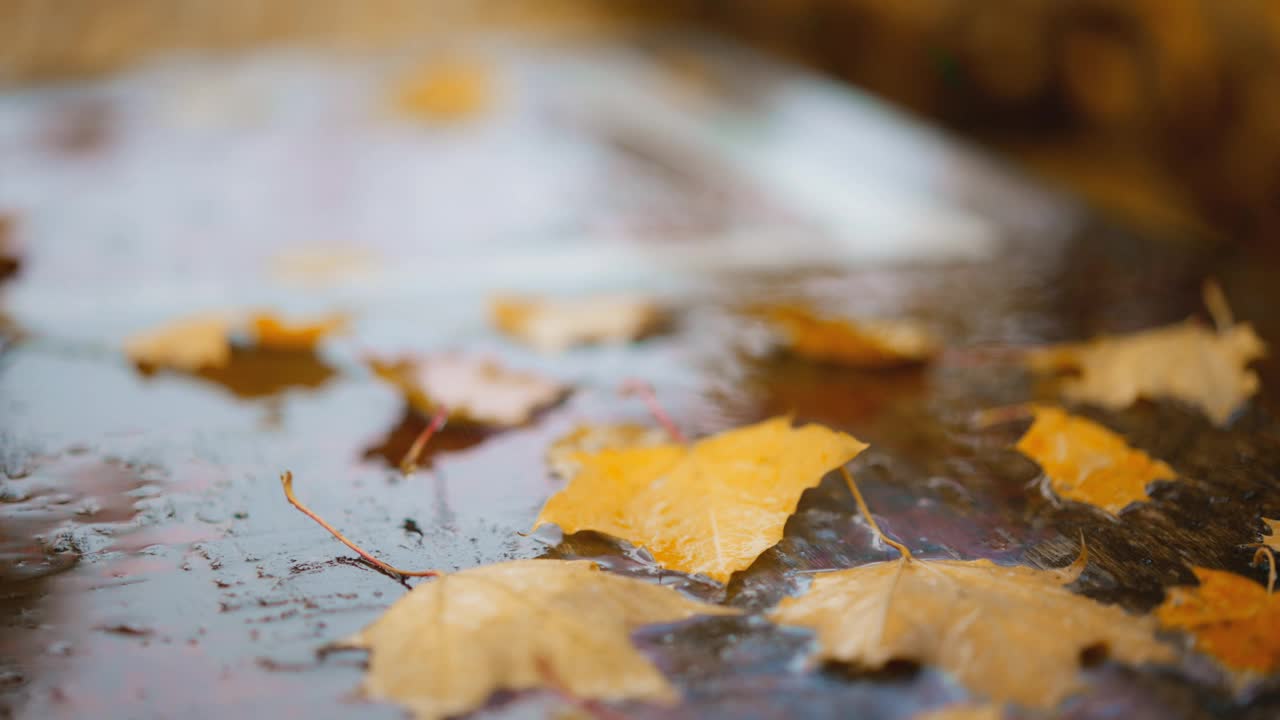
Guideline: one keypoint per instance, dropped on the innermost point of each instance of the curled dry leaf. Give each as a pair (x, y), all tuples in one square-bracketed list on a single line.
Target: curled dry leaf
[(473, 390), (1012, 634), (445, 91), (862, 343), (1233, 619), (711, 507), (448, 645), (273, 332), (562, 456), (555, 325), (1187, 362), (192, 343), (1088, 463), (964, 711)]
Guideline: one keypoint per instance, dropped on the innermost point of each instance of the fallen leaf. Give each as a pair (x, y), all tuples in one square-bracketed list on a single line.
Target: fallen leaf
[(271, 331), (1187, 362), (963, 711), (563, 455), (554, 325), (1088, 463), (473, 390), (1272, 539), (1233, 619), (711, 507), (1012, 634), (447, 646), (862, 343), (445, 91), (192, 343), (321, 265), (10, 255)]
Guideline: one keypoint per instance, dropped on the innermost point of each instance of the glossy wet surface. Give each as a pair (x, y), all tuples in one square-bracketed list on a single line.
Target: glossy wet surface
[(150, 567)]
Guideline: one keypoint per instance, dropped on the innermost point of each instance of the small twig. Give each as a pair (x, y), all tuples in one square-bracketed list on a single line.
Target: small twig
[(410, 461), (866, 513), (644, 391), (1001, 415), (1264, 551), (286, 480), (1216, 302)]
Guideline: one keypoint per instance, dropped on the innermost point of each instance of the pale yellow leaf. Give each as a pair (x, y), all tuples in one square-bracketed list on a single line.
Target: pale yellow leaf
[(447, 646), (562, 456), (964, 711), (1187, 362), (191, 343), (554, 325), (1011, 634), (445, 91), (1088, 463), (711, 507), (867, 343), (473, 389)]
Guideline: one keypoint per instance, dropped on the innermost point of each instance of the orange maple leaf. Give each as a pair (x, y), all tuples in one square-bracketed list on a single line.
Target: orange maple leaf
[(863, 343), (1233, 619)]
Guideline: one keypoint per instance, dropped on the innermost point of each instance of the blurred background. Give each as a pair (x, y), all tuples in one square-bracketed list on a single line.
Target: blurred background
[(1163, 111)]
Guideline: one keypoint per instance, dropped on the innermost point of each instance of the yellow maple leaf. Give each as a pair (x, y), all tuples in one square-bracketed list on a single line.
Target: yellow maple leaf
[(563, 455), (554, 325), (271, 331), (447, 646), (191, 343), (711, 507), (862, 343), (1088, 463), (1012, 634), (1233, 619), (472, 389), (1187, 361), (449, 90)]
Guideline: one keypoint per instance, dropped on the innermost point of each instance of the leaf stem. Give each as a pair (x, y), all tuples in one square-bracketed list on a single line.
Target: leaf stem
[(410, 461), (1270, 554), (644, 391), (286, 480), (866, 513)]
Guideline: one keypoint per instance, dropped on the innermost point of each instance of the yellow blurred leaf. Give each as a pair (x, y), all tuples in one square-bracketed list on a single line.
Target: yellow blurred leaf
[(1272, 539), (1088, 463), (861, 343), (446, 91), (473, 389), (711, 507), (964, 711), (1011, 634), (447, 646), (1187, 362), (1233, 619), (562, 456), (192, 343), (554, 325), (272, 331)]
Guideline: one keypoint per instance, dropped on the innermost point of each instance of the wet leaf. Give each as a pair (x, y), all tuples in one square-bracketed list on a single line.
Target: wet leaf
[(445, 91), (1011, 634), (473, 389), (554, 325), (711, 507), (1272, 538), (448, 645), (1187, 362), (1233, 619), (964, 711), (273, 332), (1088, 463), (191, 344), (861, 343), (563, 455)]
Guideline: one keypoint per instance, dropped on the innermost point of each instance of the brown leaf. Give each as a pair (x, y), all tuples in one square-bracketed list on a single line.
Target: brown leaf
[(1187, 362), (473, 390), (1088, 463), (711, 507), (447, 646), (273, 332), (862, 343), (191, 344), (1233, 619), (1012, 634), (552, 326)]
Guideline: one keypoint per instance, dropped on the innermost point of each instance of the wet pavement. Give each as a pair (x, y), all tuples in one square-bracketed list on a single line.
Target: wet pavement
[(150, 566)]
